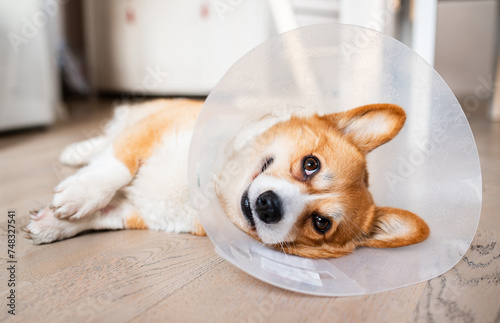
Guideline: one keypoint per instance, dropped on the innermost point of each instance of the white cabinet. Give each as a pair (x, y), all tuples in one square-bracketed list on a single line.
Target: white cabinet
[(29, 87), (169, 47)]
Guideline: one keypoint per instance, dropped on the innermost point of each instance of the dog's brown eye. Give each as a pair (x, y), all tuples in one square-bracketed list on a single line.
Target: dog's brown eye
[(310, 165), (321, 224)]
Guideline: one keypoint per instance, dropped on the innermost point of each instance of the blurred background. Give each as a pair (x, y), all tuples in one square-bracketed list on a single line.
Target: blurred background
[(57, 51)]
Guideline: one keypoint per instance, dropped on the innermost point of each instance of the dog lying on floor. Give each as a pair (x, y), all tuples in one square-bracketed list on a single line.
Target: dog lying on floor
[(303, 190)]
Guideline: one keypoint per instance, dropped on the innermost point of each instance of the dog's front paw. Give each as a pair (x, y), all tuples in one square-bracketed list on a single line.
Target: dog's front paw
[(43, 227), (79, 196)]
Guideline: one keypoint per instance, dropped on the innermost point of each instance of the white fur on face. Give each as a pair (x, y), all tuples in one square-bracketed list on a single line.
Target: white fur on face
[(292, 200)]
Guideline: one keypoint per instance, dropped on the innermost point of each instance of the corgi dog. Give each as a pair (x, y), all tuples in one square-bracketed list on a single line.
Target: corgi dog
[(303, 188)]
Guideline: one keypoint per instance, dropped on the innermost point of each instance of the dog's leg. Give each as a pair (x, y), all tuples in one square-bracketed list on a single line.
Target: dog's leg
[(44, 227), (91, 188), (80, 153), (94, 186)]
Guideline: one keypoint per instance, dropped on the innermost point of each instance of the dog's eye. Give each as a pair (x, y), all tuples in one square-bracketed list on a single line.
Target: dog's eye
[(310, 165), (267, 163), (321, 224)]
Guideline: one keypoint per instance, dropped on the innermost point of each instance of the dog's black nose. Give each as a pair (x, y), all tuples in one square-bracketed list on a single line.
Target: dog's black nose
[(268, 207)]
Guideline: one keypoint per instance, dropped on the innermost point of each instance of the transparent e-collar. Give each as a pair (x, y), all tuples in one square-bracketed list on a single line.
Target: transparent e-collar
[(431, 168)]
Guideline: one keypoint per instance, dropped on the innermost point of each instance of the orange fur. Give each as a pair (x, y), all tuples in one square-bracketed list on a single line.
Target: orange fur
[(200, 231), (135, 222), (136, 143)]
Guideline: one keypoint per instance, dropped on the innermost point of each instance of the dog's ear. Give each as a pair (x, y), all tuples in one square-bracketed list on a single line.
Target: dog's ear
[(371, 125), (396, 228)]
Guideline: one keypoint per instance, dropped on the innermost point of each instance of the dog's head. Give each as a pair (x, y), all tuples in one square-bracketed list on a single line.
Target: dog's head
[(302, 185)]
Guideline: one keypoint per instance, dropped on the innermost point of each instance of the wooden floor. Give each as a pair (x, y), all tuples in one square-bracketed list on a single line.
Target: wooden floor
[(143, 276)]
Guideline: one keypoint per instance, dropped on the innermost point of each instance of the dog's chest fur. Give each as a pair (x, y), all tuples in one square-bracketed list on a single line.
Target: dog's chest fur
[(159, 191)]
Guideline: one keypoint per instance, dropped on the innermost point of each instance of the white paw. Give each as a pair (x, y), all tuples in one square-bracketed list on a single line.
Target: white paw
[(44, 228), (81, 195), (80, 153)]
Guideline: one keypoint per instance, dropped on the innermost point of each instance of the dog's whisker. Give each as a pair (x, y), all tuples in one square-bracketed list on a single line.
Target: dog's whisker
[(292, 242)]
